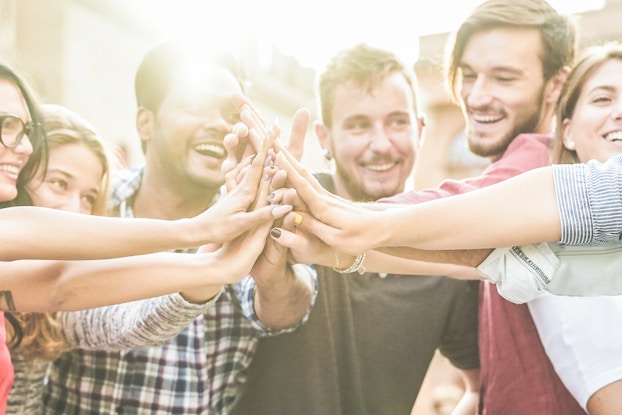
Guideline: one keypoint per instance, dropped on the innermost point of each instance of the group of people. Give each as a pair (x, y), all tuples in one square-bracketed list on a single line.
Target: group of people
[(292, 292)]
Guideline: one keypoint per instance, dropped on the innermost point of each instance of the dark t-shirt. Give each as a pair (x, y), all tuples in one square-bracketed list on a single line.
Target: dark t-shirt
[(366, 347)]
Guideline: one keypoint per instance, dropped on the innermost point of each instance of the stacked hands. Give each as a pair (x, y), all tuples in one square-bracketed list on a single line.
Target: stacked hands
[(306, 223)]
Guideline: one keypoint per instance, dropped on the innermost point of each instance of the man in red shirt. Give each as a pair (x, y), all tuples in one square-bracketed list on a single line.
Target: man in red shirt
[(507, 66)]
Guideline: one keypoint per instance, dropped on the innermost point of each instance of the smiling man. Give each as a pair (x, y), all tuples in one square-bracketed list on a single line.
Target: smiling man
[(171, 355), (507, 65), (370, 338)]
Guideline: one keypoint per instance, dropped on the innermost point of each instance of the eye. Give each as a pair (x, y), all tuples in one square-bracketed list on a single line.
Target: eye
[(58, 184), (506, 79), (600, 99), (399, 122), (357, 126), (90, 200), (468, 76), (232, 117)]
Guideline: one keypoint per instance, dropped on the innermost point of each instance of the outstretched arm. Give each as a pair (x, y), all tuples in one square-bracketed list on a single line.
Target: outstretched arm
[(518, 211), (29, 285), (41, 233)]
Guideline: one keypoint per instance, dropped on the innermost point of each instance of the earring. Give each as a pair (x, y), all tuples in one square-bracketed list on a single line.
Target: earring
[(327, 154)]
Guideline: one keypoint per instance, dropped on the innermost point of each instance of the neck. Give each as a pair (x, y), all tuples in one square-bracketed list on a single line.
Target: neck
[(159, 201)]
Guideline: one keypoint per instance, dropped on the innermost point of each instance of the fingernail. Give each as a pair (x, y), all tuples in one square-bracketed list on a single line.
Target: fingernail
[(281, 210), (297, 218), (271, 196), (275, 232)]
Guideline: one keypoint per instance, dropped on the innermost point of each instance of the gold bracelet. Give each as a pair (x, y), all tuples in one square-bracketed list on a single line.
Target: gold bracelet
[(357, 266)]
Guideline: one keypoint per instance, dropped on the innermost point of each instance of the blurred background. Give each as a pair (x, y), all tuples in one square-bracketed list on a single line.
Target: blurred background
[(84, 53)]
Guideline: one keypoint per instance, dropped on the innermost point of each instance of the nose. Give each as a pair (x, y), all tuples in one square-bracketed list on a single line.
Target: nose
[(380, 141), (616, 114), (24, 146), (479, 94)]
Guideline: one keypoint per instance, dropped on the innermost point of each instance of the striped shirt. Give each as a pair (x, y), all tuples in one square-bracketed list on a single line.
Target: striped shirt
[(590, 201)]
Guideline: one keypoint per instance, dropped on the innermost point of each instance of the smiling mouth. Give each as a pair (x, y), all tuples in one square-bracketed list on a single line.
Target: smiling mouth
[(381, 167), (614, 136), (211, 150), (486, 119), (7, 168)]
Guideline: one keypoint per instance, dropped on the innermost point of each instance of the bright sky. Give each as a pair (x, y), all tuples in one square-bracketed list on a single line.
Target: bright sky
[(313, 31)]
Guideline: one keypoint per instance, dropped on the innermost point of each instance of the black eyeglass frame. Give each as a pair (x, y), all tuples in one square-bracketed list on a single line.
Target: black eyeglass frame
[(26, 129)]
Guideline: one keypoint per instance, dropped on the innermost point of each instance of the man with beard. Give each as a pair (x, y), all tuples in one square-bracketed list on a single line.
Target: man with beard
[(187, 354), (508, 63), (370, 338), (507, 66)]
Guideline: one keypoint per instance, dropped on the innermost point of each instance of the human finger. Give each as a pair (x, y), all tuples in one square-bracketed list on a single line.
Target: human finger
[(298, 133)]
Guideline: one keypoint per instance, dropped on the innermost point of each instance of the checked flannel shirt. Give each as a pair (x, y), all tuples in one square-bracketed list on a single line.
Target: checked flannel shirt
[(194, 372)]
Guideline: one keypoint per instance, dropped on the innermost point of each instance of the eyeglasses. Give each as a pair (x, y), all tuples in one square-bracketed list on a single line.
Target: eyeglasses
[(13, 129)]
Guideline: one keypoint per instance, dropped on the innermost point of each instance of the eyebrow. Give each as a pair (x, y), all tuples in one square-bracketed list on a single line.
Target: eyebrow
[(608, 88), (510, 69)]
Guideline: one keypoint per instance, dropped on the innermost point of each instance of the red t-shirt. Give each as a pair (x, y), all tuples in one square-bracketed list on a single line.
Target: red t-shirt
[(6, 368), (517, 377)]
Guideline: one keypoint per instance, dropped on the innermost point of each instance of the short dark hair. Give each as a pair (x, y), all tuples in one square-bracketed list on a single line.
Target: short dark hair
[(166, 59), (557, 32)]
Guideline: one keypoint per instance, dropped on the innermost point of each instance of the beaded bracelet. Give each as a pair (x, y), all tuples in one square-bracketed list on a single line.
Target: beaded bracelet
[(357, 266)]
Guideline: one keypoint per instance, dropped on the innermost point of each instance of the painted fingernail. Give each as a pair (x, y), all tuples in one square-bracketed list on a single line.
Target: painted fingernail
[(297, 218), (275, 232)]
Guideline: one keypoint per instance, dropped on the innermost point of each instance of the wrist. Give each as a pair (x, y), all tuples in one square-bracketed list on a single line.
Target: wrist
[(203, 296), (358, 264)]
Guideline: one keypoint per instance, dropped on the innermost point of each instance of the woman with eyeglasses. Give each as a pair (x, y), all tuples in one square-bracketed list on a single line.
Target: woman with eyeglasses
[(42, 233)]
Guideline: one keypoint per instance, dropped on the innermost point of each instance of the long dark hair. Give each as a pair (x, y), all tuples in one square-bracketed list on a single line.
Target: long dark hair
[(37, 158)]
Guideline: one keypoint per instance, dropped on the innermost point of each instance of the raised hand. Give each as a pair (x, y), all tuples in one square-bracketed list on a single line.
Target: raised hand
[(248, 135), (237, 211), (347, 227)]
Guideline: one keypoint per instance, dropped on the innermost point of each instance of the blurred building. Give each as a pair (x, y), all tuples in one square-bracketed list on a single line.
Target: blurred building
[(83, 54)]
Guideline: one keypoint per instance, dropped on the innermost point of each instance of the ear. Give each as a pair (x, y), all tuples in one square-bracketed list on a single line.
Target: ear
[(420, 128), (567, 139), (323, 136), (144, 124), (555, 84)]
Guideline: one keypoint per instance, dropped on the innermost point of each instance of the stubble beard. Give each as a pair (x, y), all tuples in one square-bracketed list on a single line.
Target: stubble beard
[(357, 191), (498, 147)]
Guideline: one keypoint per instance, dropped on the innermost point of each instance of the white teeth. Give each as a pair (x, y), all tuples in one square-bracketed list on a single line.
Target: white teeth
[(614, 136), (217, 150), (486, 118), (380, 167), (9, 169)]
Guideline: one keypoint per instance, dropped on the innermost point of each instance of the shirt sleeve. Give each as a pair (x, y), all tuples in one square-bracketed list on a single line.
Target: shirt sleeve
[(133, 325), (246, 289), (520, 273), (589, 198)]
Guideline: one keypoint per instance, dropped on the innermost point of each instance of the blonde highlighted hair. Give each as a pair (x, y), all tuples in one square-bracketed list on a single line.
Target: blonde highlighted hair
[(41, 334)]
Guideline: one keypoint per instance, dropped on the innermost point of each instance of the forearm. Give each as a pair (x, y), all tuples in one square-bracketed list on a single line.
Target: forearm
[(466, 257), (87, 284), (39, 233), (138, 324), (518, 211), (447, 263), (284, 302)]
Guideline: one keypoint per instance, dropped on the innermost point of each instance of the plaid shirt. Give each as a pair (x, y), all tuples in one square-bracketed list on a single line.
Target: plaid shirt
[(194, 373)]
